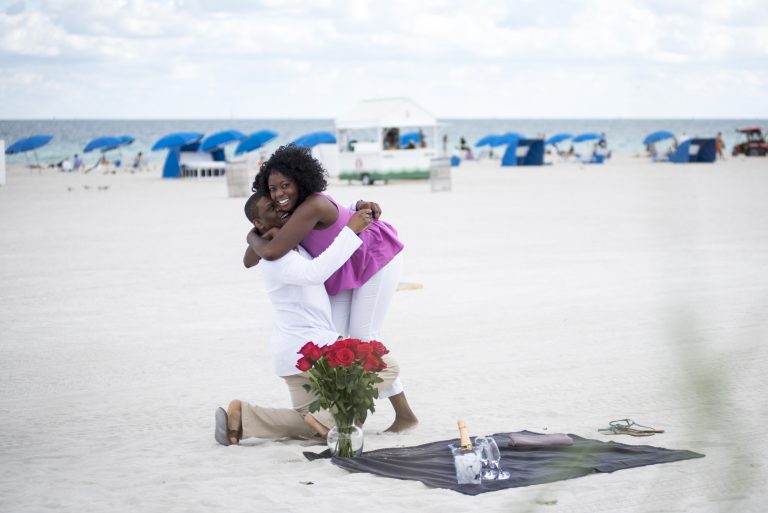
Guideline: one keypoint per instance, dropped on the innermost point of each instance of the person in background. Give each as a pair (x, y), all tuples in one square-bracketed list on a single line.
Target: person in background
[(66, 165), (719, 145), (78, 163), (138, 161)]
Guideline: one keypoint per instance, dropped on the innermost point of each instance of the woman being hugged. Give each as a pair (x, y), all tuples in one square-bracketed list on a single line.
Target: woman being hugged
[(362, 289)]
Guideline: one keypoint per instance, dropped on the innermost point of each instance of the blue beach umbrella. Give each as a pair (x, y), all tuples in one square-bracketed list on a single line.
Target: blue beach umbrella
[(488, 140), (589, 136), (220, 139), (657, 136), (176, 139), (28, 144), (558, 138), (508, 138), (315, 138), (255, 141), (108, 142)]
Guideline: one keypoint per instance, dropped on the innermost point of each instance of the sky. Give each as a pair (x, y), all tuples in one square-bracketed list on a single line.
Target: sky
[(266, 59)]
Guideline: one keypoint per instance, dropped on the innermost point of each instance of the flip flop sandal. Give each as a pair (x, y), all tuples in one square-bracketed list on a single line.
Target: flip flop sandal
[(221, 432), (628, 427)]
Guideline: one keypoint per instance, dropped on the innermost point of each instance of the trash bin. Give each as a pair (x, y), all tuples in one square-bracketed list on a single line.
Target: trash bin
[(440, 174), (239, 180)]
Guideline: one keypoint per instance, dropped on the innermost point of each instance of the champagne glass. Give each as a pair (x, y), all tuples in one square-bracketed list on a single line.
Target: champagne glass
[(487, 474), (494, 459)]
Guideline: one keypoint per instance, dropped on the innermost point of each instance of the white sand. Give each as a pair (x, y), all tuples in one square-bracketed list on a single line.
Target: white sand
[(554, 299)]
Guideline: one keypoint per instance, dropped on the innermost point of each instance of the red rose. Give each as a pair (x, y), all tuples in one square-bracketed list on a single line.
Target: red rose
[(344, 356), (379, 349), (303, 364), (363, 350), (348, 343), (373, 364), (330, 357), (311, 352)]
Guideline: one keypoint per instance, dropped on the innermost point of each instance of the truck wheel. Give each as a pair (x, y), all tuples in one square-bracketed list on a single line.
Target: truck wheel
[(366, 179)]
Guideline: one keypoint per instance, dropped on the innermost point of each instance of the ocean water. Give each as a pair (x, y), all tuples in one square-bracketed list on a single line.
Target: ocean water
[(70, 136)]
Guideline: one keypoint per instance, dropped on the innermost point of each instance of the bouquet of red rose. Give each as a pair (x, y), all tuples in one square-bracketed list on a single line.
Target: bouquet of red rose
[(343, 375)]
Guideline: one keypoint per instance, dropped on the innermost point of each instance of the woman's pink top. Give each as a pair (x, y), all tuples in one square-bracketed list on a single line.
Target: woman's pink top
[(380, 245)]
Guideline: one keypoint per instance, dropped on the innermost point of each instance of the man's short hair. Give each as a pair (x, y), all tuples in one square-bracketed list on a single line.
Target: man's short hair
[(251, 212)]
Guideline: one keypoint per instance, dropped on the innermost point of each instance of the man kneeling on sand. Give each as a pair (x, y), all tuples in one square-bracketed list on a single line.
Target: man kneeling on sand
[(301, 313)]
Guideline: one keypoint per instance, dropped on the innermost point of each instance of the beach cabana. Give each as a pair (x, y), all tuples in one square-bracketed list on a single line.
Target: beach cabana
[(695, 150), (523, 152), (364, 151), (185, 158), (255, 141)]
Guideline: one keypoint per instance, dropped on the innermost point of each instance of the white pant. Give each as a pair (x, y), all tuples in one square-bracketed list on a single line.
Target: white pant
[(359, 313)]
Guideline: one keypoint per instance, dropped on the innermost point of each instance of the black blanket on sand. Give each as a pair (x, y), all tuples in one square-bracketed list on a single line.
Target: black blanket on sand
[(432, 463)]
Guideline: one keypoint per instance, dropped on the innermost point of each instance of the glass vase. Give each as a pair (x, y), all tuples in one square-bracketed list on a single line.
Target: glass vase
[(345, 440)]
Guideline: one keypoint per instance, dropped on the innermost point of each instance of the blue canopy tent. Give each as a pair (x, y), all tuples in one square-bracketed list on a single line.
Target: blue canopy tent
[(314, 138), (408, 137), (532, 156), (695, 150), (255, 141), (175, 143)]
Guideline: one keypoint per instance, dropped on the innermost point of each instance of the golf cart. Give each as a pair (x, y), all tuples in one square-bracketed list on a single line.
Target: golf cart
[(754, 145)]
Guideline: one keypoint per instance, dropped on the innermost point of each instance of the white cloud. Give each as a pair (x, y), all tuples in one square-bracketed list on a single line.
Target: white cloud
[(314, 58)]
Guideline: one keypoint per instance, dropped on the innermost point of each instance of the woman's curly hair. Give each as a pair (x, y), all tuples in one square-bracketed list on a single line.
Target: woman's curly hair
[(298, 164)]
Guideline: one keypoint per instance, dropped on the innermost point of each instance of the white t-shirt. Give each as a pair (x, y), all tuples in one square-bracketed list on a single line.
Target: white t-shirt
[(301, 309)]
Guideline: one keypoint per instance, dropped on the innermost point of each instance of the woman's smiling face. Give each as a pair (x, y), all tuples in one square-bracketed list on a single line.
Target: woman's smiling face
[(283, 191)]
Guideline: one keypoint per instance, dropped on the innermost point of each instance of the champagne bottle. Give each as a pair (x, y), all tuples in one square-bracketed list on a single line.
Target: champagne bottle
[(464, 441)]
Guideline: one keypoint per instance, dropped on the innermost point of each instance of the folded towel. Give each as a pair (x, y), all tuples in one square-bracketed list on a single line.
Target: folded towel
[(528, 439)]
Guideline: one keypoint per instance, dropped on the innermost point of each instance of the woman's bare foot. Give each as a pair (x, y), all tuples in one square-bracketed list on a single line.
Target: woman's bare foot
[(235, 422), (316, 426)]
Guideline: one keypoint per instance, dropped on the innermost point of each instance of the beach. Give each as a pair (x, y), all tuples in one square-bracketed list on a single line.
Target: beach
[(552, 299)]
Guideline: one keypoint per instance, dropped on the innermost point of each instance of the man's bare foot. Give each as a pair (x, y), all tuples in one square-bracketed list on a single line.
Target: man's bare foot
[(402, 423), (316, 426), (235, 422), (404, 416)]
